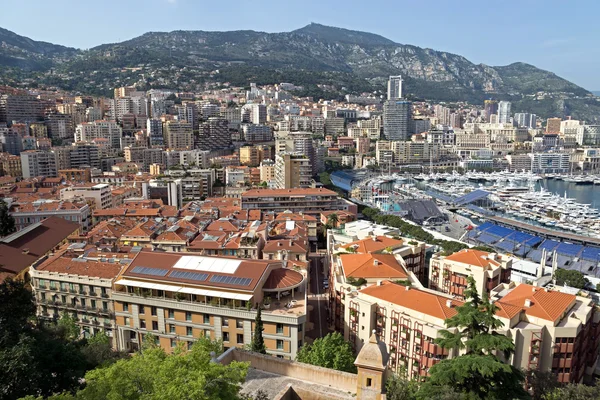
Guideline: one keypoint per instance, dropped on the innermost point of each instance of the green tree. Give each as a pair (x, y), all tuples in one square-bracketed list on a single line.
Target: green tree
[(397, 387), (540, 383), (98, 351), (69, 326), (258, 342), (570, 277), (573, 391), (17, 309), (331, 351), (333, 219), (7, 222), (154, 375), (478, 373)]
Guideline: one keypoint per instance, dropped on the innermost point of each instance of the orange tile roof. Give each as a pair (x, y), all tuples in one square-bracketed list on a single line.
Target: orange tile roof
[(548, 305), (372, 266), (414, 299), (374, 244), (476, 258), (294, 246)]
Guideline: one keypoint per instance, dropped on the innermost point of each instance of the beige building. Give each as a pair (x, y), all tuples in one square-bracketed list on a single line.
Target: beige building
[(79, 286), (267, 171), (179, 298), (449, 274), (292, 171), (552, 331), (249, 155), (178, 135), (407, 319)]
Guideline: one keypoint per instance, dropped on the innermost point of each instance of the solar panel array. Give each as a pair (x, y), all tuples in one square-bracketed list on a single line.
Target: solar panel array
[(149, 271), (230, 280), (193, 276)]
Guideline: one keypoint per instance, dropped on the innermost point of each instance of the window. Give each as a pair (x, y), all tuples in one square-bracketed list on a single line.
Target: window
[(189, 331), (42, 283), (125, 306), (173, 343), (93, 305), (207, 333), (369, 382), (142, 324), (240, 338), (92, 290), (103, 291), (171, 314), (126, 321), (189, 345), (142, 309), (153, 311), (43, 296), (279, 344), (239, 324), (225, 322), (73, 302), (154, 325), (226, 336), (105, 306), (279, 329), (207, 319), (188, 316), (83, 302), (171, 328), (53, 285)]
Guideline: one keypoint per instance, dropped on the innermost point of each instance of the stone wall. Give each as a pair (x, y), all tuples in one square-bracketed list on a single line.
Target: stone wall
[(342, 381)]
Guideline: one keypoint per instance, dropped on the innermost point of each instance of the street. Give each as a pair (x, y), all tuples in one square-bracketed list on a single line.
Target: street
[(317, 300)]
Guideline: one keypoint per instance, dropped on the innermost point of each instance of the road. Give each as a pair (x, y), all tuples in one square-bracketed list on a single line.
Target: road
[(317, 300), (456, 229)]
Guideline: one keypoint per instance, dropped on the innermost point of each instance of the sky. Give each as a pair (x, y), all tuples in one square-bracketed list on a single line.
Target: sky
[(558, 36)]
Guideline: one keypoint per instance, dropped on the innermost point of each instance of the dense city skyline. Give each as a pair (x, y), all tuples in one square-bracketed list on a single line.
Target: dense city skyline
[(542, 36)]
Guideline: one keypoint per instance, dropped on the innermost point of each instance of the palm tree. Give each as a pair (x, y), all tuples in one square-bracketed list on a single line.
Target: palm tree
[(333, 220)]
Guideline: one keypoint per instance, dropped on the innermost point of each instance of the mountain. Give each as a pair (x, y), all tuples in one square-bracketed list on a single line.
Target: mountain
[(22, 52), (345, 60)]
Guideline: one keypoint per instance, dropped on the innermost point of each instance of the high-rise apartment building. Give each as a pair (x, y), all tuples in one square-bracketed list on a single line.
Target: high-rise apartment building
[(504, 112), (38, 163), (397, 115), (110, 130), (525, 120), (189, 112), (490, 108), (154, 128), (59, 126), (394, 88), (214, 134), (257, 113), (21, 108), (292, 170), (12, 142), (83, 155), (178, 135)]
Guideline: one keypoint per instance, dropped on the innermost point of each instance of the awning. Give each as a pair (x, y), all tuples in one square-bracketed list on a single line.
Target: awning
[(181, 289)]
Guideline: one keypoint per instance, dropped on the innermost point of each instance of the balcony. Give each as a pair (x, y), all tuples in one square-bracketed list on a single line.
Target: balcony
[(561, 363), (563, 378)]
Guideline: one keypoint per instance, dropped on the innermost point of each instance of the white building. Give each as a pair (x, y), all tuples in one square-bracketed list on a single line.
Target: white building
[(100, 193), (38, 163), (394, 87)]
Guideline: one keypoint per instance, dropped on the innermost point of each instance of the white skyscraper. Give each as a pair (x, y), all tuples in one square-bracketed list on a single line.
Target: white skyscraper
[(394, 87), (504, 112)]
